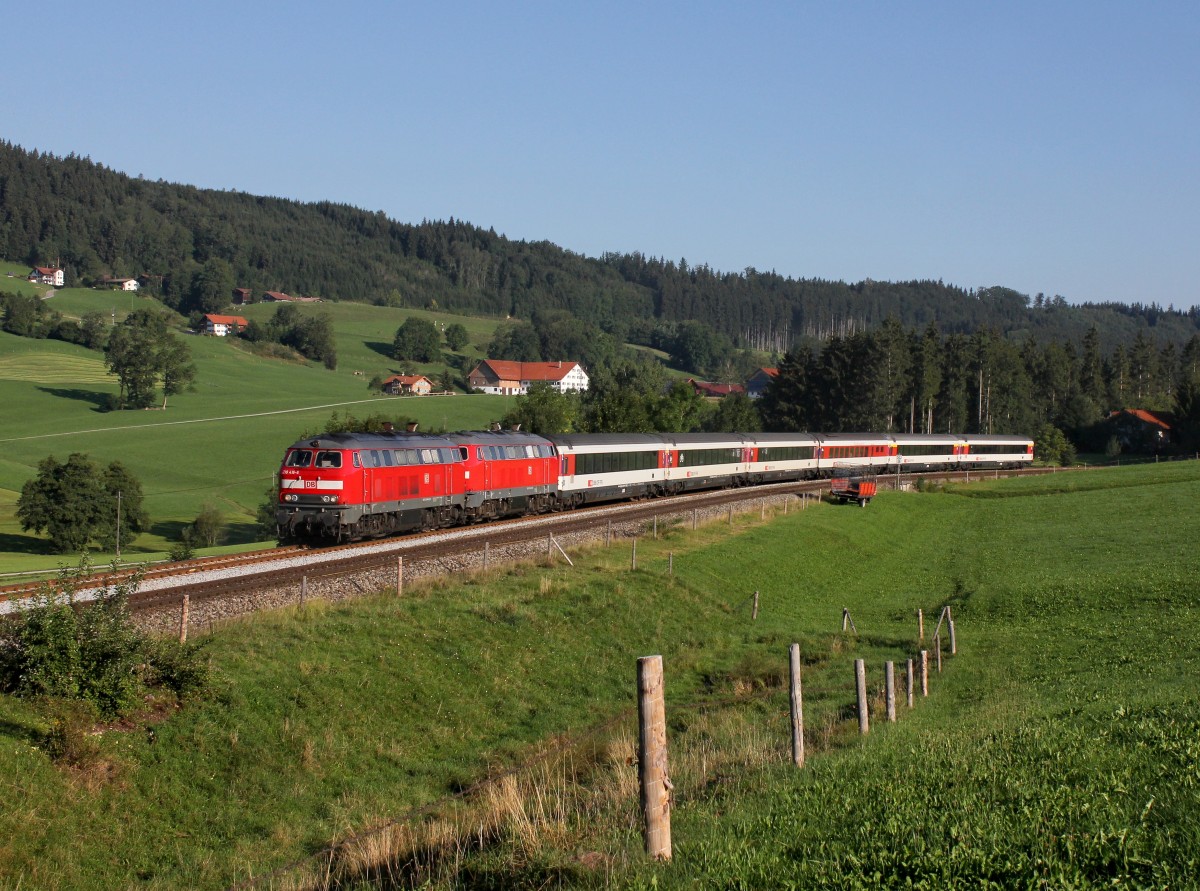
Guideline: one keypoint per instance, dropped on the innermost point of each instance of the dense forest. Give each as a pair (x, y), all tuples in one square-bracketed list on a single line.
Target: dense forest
[(193, 245)]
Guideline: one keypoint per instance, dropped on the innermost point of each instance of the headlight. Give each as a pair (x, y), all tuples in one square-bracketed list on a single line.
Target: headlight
[(291, 497)]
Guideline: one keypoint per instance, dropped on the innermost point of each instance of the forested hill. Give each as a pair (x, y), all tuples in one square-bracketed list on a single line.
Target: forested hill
[(98, 222)]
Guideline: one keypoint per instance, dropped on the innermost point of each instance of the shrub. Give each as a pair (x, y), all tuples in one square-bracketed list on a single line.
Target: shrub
[(91, 651)]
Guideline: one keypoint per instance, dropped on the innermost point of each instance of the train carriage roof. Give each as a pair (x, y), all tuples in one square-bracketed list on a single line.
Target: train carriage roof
[(639, 442), (926, 438), (769, 439), (872, 438), (996, 440)]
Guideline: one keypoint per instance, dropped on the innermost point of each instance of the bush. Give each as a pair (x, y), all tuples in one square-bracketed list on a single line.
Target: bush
[(179, 667), (91, 651), (69, 739)]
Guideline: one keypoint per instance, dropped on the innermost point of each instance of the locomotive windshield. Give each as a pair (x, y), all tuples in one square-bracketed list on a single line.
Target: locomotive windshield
[(306, 458), (298, 458)]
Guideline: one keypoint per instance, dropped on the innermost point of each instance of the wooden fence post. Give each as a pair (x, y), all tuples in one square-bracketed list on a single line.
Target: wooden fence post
[(762, 515), (785, 504), (695, 518), (797, 707), (860, 680), (953, 642), (670, 563), (633, 556), (485, 556), (652, 758), (656, 527), (608, 535), (183, 620), (889, 680), (924, 672), (303, 588), (400, 576), (731, 515), (937, 648), (909, 685), (921, 625), (754, 613), (549, 547)]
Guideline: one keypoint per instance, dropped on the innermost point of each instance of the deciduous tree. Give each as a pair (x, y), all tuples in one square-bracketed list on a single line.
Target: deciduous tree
[(75, 503), (417, 340)]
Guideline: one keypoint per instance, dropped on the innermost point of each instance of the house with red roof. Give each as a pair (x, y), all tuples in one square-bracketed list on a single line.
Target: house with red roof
[(714, 391), (219, 326), (1138, 430), (505, 378), (408, 385), (47, 275), (759, 381), (119, 283)]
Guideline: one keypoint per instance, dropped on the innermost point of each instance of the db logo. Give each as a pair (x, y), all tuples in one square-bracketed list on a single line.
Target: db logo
[(310, 484)]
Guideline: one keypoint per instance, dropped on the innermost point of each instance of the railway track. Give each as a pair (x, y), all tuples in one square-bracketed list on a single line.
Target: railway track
[(209, 579)]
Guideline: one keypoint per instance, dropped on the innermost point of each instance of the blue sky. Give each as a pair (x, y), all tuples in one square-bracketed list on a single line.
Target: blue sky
[(1050, 147)]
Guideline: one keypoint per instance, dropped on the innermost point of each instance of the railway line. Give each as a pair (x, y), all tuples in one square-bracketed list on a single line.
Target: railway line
[(227, 585)]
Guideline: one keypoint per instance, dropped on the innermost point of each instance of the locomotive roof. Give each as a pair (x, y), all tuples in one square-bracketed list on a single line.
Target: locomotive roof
[(496, 437), (397, 439)]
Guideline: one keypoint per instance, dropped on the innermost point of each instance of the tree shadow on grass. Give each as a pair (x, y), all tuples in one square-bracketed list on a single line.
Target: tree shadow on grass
[(384, 349), (28, 733), (99, 400), (171, 530), (14, 543)]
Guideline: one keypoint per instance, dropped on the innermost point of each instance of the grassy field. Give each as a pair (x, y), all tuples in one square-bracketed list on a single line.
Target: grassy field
[(1058, 749), (219, 443)]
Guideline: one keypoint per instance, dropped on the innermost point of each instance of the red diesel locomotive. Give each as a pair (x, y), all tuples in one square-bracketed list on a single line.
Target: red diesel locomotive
[(345, 486)]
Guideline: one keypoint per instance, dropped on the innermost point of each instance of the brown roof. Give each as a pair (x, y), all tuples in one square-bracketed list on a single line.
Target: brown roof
[(45, 270), (704, 388), (227, 320), (406, 380), (527, 371)]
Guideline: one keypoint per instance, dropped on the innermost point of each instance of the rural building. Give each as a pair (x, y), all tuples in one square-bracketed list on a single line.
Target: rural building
[(280, 297), (759, 381), (47, 275), (408, 385), (501, 377), (118, 284), (715, 391), (219, 326), (1138, 430), (242, 296)]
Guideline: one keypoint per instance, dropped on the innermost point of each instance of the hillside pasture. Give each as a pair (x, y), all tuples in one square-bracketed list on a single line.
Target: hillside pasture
[(1056, 750), (220, 442)]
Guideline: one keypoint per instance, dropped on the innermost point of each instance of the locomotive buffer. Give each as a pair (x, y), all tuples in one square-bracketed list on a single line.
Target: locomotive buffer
[(852, 484)]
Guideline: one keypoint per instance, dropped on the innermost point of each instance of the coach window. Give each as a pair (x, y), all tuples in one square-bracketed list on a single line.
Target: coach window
[(357, 462), (387, 457)]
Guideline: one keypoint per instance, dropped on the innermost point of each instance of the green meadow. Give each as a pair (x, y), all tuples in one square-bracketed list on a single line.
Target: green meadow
[(1060, 748), (218, 443)]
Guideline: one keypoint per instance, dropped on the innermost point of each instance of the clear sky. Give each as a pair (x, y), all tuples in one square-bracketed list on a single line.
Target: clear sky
[(1046, 146)]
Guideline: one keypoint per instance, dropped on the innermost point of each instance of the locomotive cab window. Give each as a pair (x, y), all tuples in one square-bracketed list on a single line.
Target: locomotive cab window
[(299, 458), (329, 459)]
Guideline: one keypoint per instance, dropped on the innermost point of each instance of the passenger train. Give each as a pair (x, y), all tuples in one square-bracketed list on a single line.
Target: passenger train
[(337, 487)]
